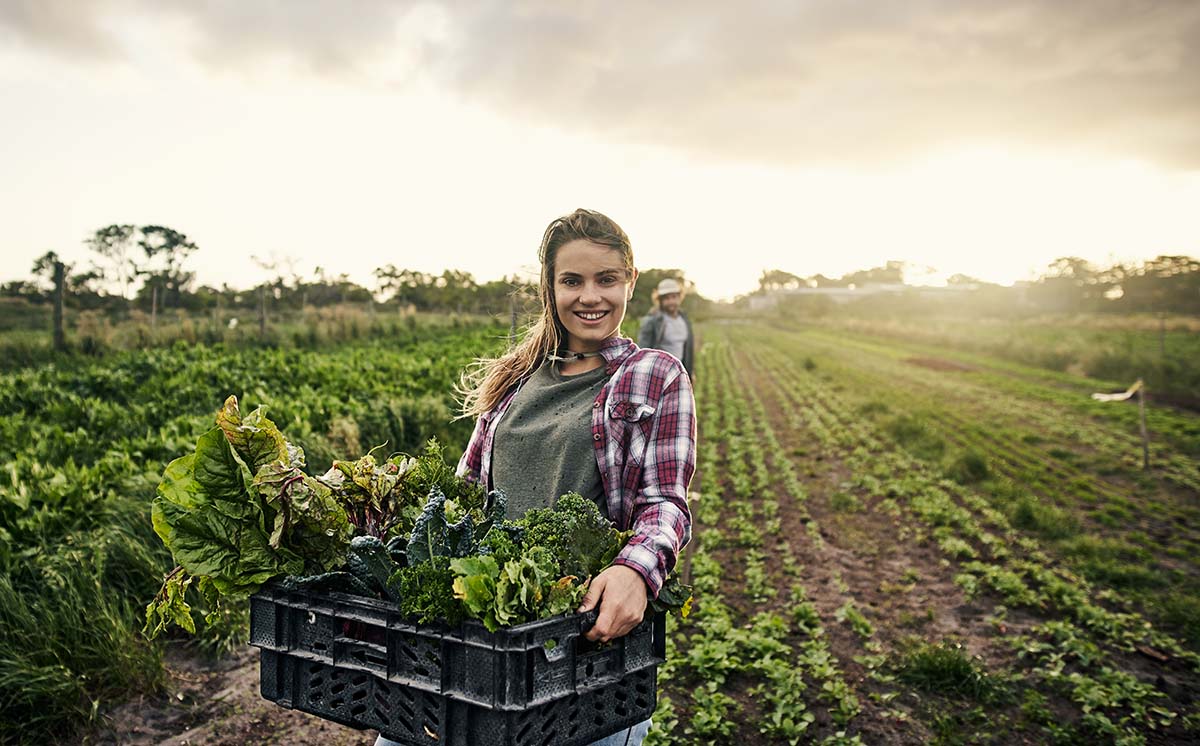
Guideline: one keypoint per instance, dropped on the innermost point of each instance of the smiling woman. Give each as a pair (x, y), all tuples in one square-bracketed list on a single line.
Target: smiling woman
[(575, 407), (592, 285)]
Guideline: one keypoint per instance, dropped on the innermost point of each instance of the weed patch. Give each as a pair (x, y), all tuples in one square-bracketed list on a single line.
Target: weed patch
[(947, 669)]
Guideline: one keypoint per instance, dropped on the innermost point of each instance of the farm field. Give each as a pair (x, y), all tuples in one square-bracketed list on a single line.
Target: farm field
[(83, 445), (898, 548), (895, 543)]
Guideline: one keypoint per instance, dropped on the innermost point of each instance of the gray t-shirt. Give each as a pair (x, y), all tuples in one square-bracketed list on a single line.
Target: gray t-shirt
[(543, 446)]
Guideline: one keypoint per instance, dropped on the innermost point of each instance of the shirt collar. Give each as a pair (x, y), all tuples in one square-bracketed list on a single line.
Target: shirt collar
[(614, 351)]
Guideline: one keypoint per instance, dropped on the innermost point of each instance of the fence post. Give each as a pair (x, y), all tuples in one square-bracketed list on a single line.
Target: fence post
[(1142, 425), (262, 311), (60, 338)]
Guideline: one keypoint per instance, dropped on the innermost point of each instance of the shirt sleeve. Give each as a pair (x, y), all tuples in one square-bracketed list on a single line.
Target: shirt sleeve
[(471, 463), (645, 336), (662, 522)]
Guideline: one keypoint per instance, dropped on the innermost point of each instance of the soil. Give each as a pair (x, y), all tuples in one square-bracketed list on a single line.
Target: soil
[(216, 703)]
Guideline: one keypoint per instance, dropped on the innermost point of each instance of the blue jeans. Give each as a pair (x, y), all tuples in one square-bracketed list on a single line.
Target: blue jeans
[(628, 737)]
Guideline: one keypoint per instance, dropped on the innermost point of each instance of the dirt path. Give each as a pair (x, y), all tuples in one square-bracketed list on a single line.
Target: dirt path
[(217, 704)]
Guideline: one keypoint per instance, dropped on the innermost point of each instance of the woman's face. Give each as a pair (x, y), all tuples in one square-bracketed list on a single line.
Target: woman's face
[(590, 292)]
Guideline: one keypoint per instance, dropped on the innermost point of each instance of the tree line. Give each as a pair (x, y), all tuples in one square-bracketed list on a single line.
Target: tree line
[(1164, 284), (145, 268)]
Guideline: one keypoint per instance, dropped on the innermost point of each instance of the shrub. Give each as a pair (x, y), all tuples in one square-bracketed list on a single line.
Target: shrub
[(968, 467), (945, 668)]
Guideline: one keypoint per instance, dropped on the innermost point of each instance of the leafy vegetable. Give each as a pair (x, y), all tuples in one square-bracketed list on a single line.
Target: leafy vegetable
[(424, 592), (369, 561), (385, 499), (582, 541), (519, 571), (240, 510)]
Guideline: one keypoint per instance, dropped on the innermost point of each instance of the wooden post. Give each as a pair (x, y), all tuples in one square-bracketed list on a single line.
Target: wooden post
[(1142, 424), (262, 311), (60, 338), (154, 306)]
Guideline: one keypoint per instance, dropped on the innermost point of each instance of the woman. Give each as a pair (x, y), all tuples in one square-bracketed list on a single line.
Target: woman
[(576, 407)]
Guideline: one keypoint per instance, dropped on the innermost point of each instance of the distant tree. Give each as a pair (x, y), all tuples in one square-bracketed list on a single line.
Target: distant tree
[(1163, 284), (821, 281), (1069, 284), (961, 279), (777, 279), (115, 246), (891, 273), (165, 250), (21, 289)]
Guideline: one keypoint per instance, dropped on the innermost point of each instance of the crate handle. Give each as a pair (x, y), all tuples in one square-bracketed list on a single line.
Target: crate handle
[(587, 620)]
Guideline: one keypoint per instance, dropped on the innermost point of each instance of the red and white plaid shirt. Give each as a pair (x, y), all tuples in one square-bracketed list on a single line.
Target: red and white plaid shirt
[(644, 432)]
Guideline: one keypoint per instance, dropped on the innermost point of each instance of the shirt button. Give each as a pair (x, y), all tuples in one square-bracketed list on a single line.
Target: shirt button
[(596, 436), (595, 405)]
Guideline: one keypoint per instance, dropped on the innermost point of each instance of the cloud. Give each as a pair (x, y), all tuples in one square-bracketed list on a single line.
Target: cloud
[(824, 81)]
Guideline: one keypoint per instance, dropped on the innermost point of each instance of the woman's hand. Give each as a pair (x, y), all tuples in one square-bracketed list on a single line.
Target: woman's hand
[(622, 596)]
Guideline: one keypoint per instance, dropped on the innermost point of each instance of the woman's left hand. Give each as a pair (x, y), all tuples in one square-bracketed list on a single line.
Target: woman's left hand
[(622, 595)]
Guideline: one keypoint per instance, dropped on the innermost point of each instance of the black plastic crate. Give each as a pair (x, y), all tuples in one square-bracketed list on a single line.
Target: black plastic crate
[(413, 716), (511, 669)]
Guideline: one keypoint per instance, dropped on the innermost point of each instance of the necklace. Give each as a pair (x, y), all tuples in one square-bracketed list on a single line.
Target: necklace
[(571, 356)]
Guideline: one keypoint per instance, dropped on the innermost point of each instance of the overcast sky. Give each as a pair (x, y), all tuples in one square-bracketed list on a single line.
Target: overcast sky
[(978, 137)]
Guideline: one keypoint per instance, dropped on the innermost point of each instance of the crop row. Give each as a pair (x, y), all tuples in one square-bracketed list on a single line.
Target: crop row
[(994, 557)]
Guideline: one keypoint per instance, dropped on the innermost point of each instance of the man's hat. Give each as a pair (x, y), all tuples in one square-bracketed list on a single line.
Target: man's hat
[(668, 286)]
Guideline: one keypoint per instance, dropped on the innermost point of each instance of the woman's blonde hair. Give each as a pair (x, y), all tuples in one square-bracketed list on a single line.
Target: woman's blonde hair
[(484, 383)]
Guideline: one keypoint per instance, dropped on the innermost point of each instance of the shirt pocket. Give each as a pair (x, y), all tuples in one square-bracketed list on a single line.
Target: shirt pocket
[(630, 410), (633, 420)]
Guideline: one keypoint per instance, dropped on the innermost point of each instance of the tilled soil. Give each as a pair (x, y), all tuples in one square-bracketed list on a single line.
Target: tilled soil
[(217, 704)]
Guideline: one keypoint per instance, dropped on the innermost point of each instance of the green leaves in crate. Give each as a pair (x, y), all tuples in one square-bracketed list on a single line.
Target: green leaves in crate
[(212, 522), (522, 589), (425, 592), (519, 571), (369, 561), (385, 499), (582, 541), (240, 510)]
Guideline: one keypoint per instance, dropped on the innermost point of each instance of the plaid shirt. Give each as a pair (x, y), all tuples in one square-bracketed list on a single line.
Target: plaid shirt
[(644, 432)]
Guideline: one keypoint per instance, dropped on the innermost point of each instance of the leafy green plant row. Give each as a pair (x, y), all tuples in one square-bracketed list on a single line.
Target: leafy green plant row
[(761, 646), (922, 491), (1116, 560), (1009, 396)]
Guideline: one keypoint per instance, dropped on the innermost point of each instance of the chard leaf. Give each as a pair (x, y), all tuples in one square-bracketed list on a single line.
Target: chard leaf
[(306, 515), (222, 478), (169, 606), (255, 438)]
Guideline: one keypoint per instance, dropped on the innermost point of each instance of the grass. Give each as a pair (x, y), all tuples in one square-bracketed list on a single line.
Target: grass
[(915, 435), (968, 467), (69, 647), (947, 669), (1047, 521)]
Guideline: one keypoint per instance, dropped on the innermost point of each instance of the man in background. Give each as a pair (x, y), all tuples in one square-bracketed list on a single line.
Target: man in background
[(667, 328)]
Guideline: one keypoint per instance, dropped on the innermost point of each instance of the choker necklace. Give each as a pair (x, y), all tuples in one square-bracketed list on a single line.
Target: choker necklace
[(571, 356)]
